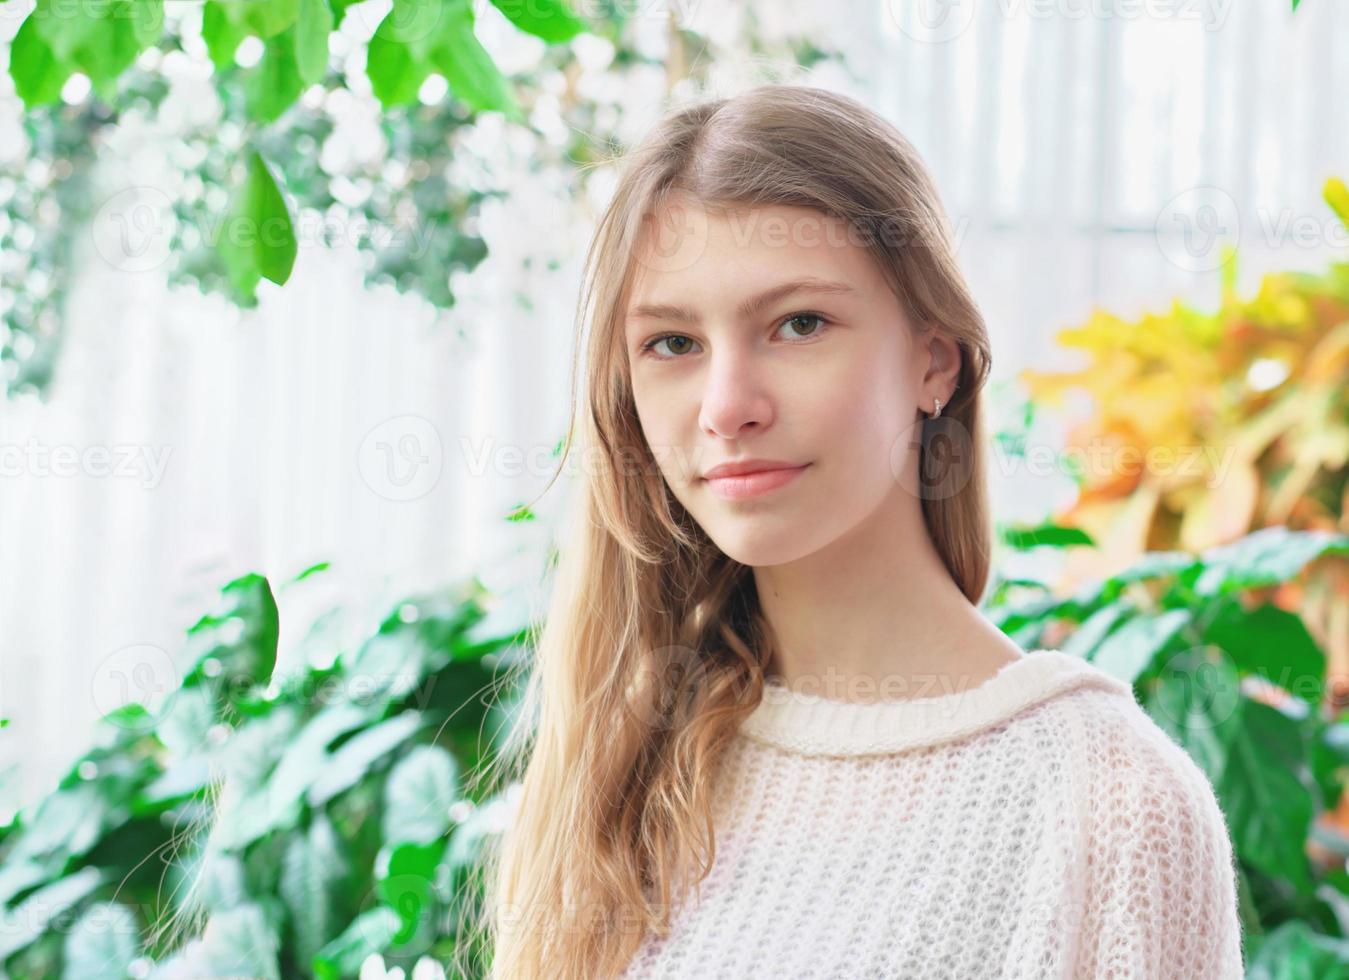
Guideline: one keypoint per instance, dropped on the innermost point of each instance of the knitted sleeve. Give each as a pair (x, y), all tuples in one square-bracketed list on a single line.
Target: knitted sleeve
[(1160, 897)]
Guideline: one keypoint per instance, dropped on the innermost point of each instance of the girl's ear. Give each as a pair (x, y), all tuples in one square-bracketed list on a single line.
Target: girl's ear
[(943, 370)]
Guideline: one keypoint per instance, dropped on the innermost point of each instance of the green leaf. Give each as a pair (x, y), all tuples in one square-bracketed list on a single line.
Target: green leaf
[(67, 823), (29, 920), (235, 648), (18, 876), (1268, 807), (257, 239), (183, 779), (350, 763), (417, 798), (1053, 535), (240, 942), (469, 69), (38, 74), (1271, 643), (1265, 557), (301, 763), (274, 83), (218, 880), (99, 39), (1196, 698), (102, 944), (314, 24), (266, 18), (221, 32), (312, 872), (1294, 951), (1092, 633), (339, 8), (551, 20), (395, 74), (407, 885), (147, 22), (1129, 650), (371, 932)]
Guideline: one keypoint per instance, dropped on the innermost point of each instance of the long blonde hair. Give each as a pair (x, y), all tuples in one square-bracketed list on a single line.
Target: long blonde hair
[(654, 647)]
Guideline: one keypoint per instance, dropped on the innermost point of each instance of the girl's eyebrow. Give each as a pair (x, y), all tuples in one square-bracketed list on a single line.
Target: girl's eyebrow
[(747, 309)]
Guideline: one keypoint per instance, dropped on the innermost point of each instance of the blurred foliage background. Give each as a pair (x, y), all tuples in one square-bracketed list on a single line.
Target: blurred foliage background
[(1216, 583)]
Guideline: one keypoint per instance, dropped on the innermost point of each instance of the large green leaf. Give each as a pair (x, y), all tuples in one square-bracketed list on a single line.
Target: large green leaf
[(350, 763), (28, 920), (103, 944), (551, 20), (414, 39), (1265, 557), (1196, 699), (38, 74), (257, 238), (1294, 952), (1264, 798), (19, 875), (221, 32), (312, 873), (147, 21), (1087, 637), (240, 942), (469, 69), (266, 18), (67, 823), (407, 885), (274, 83), (371, 932), (1130, 650), (396, 73), (302, 761), (246, 810), (1271, 643), (312, 27), (417, 798), (218, 880), (99, 39)]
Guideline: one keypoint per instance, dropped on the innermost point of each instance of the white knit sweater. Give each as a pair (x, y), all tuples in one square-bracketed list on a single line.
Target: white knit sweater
[(1037, 825)]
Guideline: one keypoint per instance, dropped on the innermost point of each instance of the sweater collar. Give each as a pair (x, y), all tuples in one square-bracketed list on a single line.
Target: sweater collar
[(811, 724)]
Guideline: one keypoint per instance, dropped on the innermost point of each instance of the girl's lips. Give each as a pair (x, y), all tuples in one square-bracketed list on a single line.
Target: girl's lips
[(752, 484)]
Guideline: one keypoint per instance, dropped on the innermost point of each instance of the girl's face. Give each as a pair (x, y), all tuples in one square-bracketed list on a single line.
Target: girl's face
[(770, 334)]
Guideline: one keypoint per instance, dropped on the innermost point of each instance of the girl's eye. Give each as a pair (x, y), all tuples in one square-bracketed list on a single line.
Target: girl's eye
[(650, 344), (796, 317), (679, 343)]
